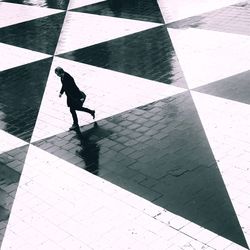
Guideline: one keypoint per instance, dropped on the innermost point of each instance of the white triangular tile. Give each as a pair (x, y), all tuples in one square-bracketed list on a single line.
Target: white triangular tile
[(82, 30), (9, 142), (18, 13), (207, 56), (57, 202), (80, 3), (173, 10), (226, 125), (108, 92), (16, 56)]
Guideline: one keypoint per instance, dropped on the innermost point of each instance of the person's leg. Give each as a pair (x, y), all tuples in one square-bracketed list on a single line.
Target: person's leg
[(74, 116), (92, 112)]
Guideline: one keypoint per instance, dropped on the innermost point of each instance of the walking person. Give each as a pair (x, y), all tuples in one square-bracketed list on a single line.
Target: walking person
[(75, 97)]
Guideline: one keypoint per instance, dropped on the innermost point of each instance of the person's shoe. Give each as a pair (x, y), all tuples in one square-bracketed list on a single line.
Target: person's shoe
[(93, 114), (74, 126)]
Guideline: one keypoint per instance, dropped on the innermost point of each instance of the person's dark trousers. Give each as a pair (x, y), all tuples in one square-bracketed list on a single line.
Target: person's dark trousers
[(74, 115)]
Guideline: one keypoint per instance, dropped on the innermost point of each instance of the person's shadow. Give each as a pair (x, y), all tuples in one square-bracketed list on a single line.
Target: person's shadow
[(89, 149)]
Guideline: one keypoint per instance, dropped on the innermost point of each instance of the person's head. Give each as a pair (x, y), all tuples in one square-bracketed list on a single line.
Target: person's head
[(59, 71)]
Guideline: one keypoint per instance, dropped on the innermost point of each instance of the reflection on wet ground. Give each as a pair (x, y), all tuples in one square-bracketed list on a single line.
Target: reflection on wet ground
[(33, 34), (84, 149), (26, 84), (159, 151), (89, 147), (144, 10), (178, 172), (11, 165), (119, 55), (57, 4)]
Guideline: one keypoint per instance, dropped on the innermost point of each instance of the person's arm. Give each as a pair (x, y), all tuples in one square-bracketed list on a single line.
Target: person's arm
[(61, 91)]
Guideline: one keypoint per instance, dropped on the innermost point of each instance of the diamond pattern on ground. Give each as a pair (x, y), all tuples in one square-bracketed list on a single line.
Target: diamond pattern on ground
[(138, 10), (81, 3), (76, 34), (187, 153), (19, 114), (232, 88), (11, 165), (173, 10), (108, 92), (121, 56), (16, 56), (142, 151), (207, 56), (231, 19), (227, 128), (33, 34), (8, 141), (12, 14), (46, 4)]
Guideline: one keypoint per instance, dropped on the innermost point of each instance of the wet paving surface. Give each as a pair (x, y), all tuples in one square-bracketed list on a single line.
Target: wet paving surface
[(33, 34), (11, 165), (119, 55), (47, 3), (148, 152), (159, 151), (233, 88), (144, 10), (232, 19), (19, 114)]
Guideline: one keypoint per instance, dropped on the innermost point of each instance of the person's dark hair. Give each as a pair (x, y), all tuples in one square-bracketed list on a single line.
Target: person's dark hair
[(59, 70)]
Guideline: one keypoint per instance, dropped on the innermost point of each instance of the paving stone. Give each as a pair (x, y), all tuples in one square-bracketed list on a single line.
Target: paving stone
[(161, 150), (233, 19), (140, 10)]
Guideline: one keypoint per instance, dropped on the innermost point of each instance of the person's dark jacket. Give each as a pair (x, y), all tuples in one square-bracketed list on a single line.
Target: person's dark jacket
[(71, 90)]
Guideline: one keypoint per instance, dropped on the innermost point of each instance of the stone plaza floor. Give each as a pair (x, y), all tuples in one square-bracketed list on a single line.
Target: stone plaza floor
[(164, 164)]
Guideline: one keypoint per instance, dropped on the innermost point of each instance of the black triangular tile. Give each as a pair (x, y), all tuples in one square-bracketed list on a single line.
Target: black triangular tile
[(139, 54), (11, 166), (81, 148), (233, 88), (48, 3), (232, 19), (21, 95), (144, 10), (33, 34), (160, 152)]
